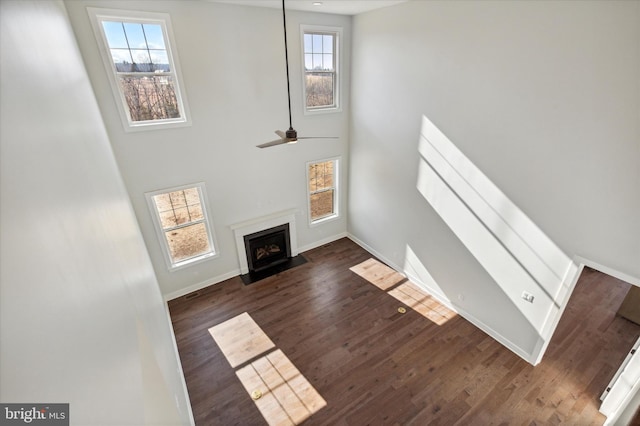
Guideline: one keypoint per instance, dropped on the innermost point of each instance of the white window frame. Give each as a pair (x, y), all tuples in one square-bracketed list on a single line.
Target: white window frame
[(160, 232), (336, 191), (337, 56), (97, 15)]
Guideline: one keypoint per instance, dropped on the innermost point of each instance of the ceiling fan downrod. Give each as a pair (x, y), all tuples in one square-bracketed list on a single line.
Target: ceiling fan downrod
[(290, 133)]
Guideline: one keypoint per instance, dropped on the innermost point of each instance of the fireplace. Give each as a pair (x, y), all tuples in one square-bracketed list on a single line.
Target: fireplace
[(255, 227), (267, 248), (267, 245)]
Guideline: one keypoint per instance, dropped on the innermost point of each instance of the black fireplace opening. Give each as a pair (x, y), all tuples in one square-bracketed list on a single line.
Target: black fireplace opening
[(267, 248), (269, 253)]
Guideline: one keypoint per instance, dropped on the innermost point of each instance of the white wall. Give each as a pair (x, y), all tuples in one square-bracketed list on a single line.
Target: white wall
[(82, 320), (542, 97), (232, 58)]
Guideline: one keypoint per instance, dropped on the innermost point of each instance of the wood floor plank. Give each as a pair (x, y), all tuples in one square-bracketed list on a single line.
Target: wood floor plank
[(373, 365)]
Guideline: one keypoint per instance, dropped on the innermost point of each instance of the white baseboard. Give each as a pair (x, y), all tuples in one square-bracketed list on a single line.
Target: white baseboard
[(606, 270), (472, 319), (322, 242), (201, 285), (236, 272), (373, 251), (529, 357), (564, 294), (183, 381), (451, 305)]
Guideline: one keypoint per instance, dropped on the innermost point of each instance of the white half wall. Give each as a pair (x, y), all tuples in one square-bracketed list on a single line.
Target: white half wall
[(543, 98), (82, 320)]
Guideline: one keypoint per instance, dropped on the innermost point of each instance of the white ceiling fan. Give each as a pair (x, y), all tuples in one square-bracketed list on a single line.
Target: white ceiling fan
[(291, 135)]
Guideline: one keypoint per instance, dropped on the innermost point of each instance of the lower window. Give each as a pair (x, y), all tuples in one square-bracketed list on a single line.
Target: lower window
[(322, 178), (182, 224)]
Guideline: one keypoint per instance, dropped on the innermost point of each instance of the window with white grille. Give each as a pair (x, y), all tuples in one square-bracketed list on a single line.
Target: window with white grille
[(322, 180), (182, 224), (136, 48), (320, 47)]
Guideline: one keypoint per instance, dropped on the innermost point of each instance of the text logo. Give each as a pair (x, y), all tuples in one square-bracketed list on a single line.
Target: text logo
[(34, 414)]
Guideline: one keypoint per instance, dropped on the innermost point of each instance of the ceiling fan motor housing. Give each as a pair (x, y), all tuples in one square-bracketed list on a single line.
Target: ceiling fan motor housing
[(291, 134)]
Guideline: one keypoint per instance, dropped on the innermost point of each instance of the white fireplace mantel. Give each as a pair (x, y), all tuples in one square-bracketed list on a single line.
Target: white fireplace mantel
[(260, 224)]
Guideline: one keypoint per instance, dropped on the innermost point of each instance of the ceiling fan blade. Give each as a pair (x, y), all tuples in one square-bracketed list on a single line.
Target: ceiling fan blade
[(317, 137), (273, 143), (281, 134)]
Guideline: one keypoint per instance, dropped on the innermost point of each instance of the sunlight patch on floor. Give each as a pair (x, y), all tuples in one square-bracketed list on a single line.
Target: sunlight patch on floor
[(378, 274), (281, 393), (407, 292), (287, 398), (240, 339), (421, 302)]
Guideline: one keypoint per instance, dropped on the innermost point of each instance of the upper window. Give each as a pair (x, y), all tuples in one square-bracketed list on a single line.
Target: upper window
[(182, 224), (322, 178), (136, 49), (320, 54)]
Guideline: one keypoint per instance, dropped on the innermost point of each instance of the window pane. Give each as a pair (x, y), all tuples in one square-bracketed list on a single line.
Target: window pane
[(182, 215), (122, 60), (114, 33), (135, 36), (153, 34), (327, 62), (178, 199), (136, 50), (168, 219), (316, 178), (321, 204), (327, 44), (317, 61), (192, 196), (308, 48), (319, 89), (328, 174), (188, 242), (320, 176), (308, 61), (142, 60), (195, 212), (317, 43), (179, 207), (160, 60), (313, 177), (162, 202), (150, 98)]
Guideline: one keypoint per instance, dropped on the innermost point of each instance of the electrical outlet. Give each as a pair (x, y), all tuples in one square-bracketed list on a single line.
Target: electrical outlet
[(527, 296)]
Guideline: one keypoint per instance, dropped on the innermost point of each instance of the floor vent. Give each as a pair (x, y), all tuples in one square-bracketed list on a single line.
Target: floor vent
[(192, 295)]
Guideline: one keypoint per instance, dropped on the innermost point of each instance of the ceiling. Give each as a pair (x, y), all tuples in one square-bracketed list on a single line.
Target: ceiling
[(340, 7)]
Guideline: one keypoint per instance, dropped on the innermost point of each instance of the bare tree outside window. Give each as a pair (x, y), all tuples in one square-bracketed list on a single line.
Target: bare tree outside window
[(319, 89), (150, 98), (145, 74), (322, 189), (182, 224), (320, 69)]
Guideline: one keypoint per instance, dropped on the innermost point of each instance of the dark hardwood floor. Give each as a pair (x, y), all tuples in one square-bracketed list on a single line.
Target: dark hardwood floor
[(374, 365)]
